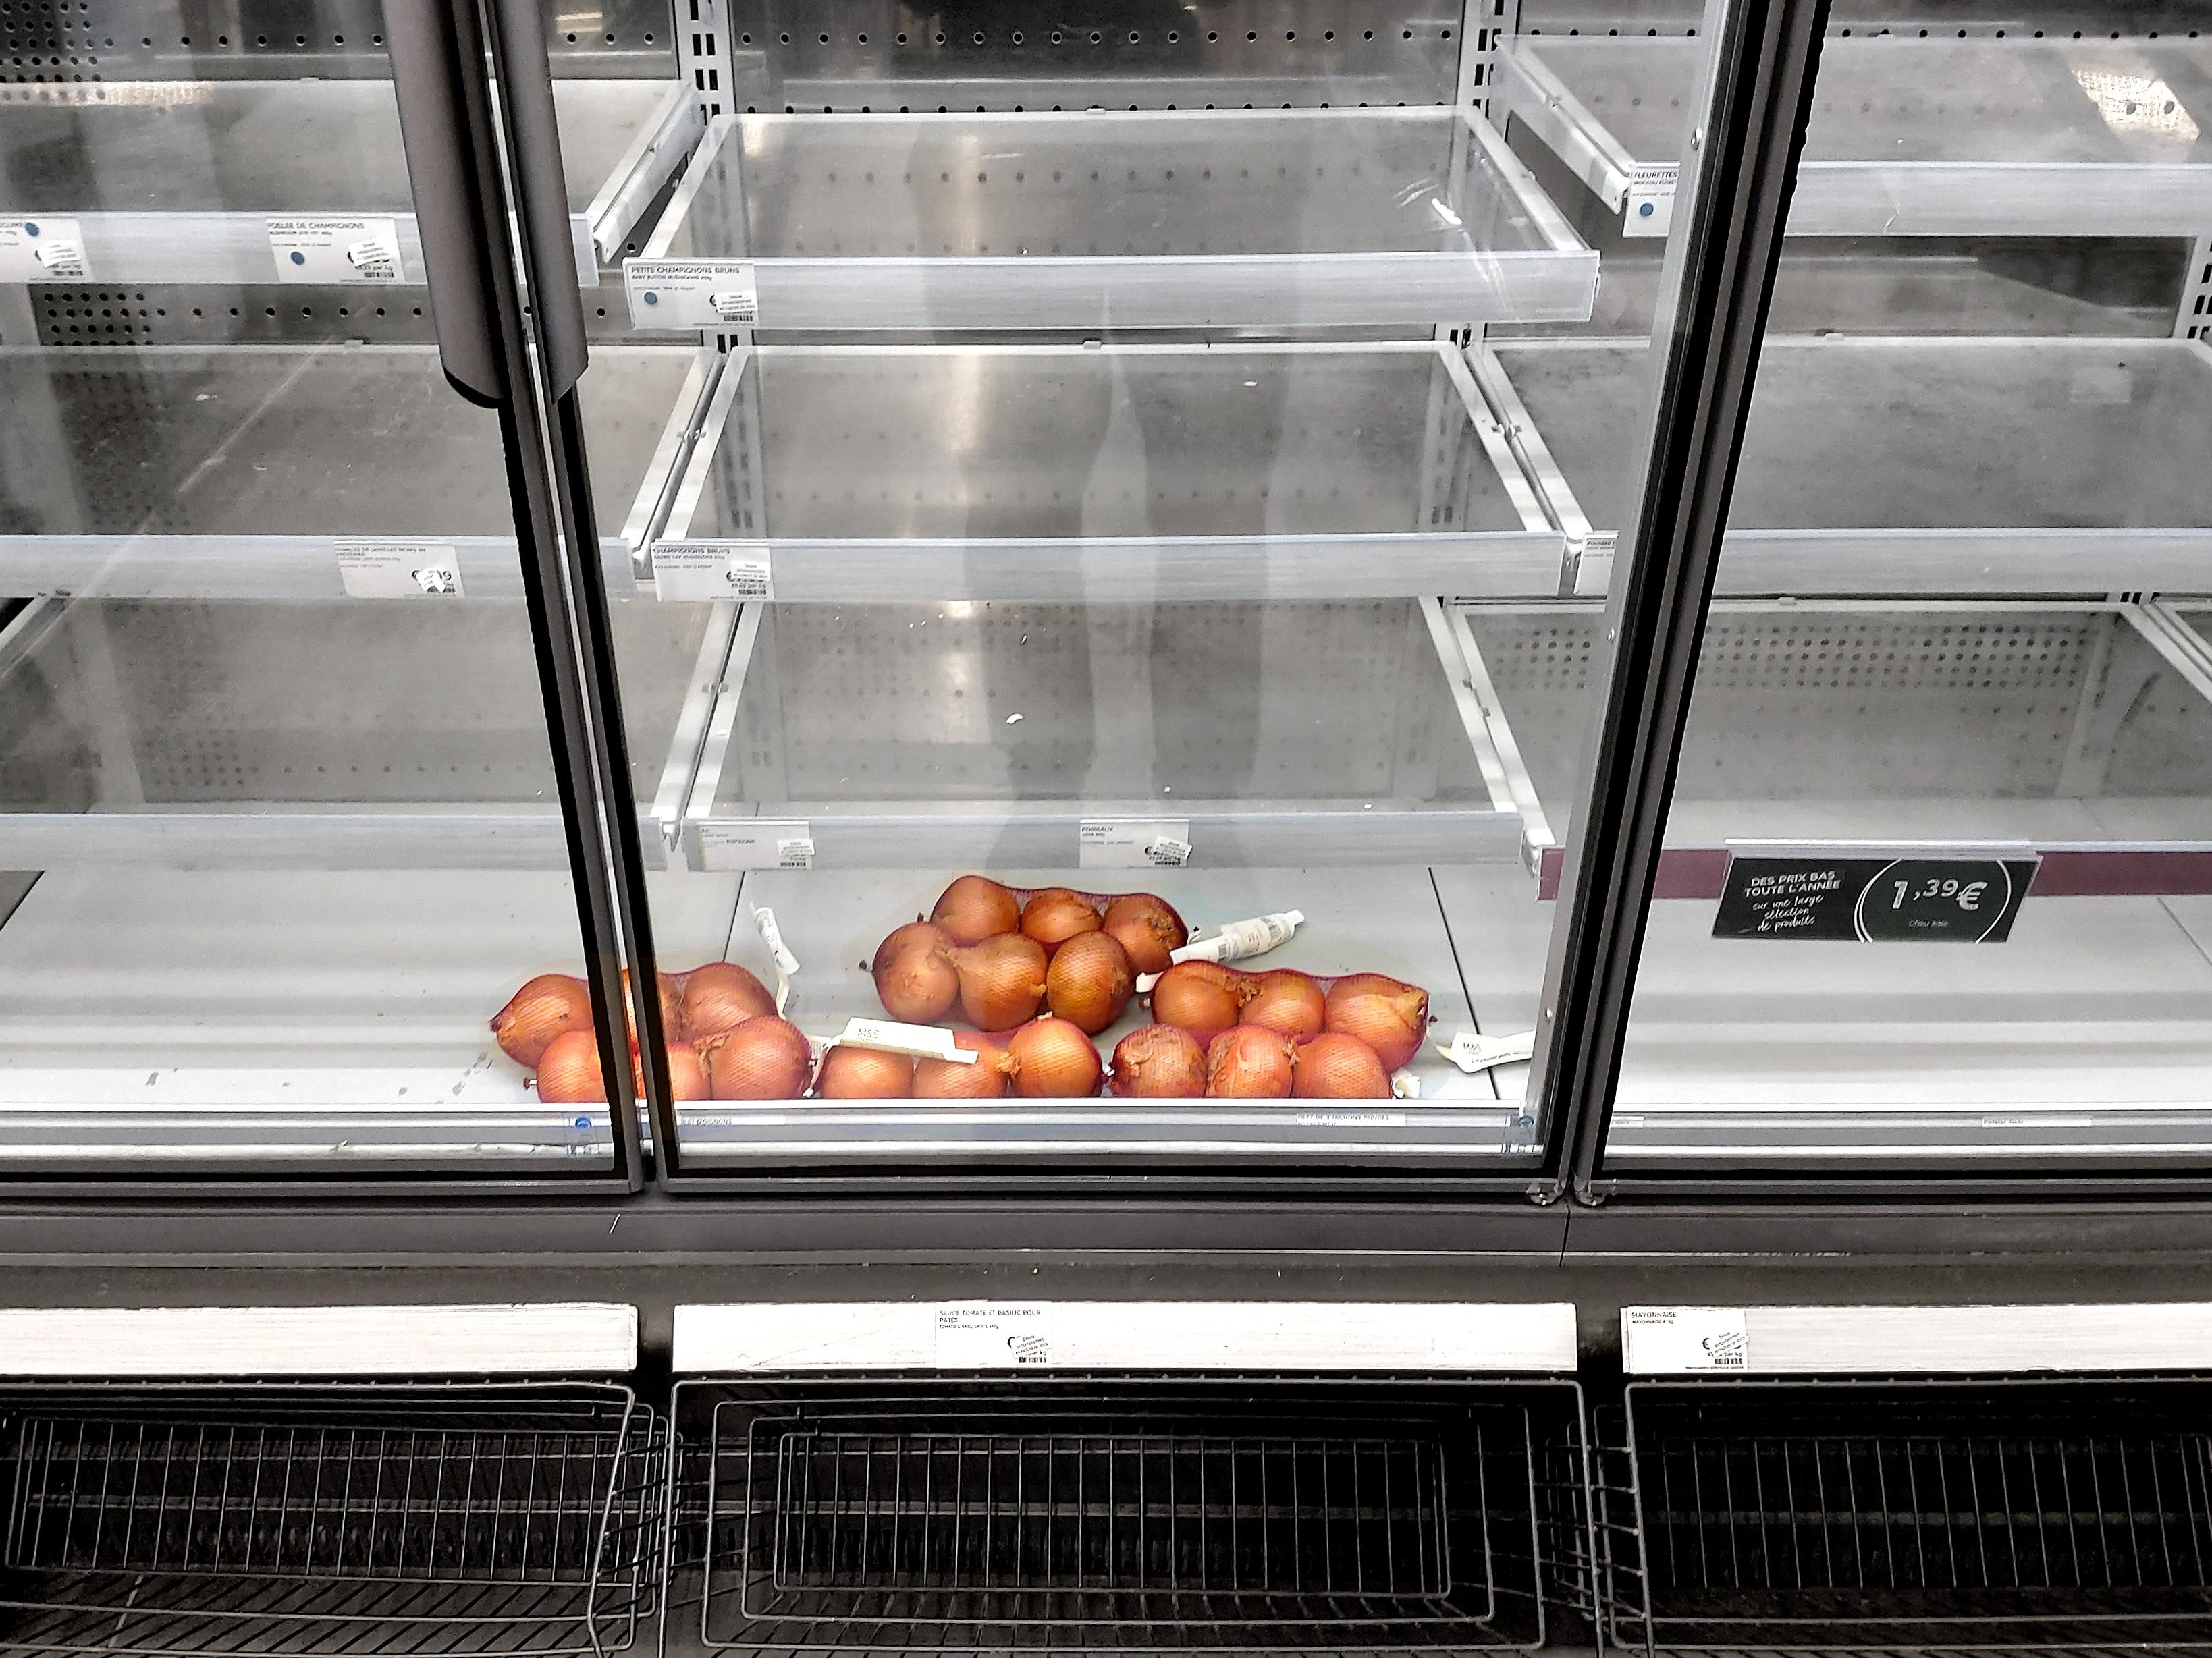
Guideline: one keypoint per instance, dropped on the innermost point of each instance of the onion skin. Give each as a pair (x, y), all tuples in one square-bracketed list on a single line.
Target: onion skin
[(1056, 915), (1053, 1060), (569, 1070), (1203, 998), (1250, 1062), (1088, 982), (1001, 981), (864, 1073), (1148, 928), (1289, 1001), (720, 997), (976, 907), (687, 1073), (766, 1058), (1159, 1062), (1334, 1066), (1389, 1015), (915, 979), (549, 1005), (672, 1009), (986, 1079)]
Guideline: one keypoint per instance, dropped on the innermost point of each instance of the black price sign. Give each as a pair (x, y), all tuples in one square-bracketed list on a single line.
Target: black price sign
[(1930, 898)]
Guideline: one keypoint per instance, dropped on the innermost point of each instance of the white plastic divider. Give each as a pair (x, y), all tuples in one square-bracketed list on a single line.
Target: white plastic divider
[(1915, 1340), (1142, 1336), (555, 1338)]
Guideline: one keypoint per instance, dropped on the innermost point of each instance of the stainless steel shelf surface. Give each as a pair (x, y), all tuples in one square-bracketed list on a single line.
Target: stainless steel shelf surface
[(334, 735), (966, 734), (1167, 219), (175, 181), (236, 472), (1376, 920), (1909, 137), (2063, 465), (1112, 474)]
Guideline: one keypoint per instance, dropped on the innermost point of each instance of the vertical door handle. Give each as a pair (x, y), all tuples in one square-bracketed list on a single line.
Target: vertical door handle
[(526, 91)]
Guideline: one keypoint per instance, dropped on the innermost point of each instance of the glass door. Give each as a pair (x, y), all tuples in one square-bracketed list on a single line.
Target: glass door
[(289, 888)]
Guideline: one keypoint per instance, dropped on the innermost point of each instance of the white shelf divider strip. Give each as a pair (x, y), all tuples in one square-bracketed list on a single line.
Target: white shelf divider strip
[(1915, 1340), (1153, 1335), (574, 1338)]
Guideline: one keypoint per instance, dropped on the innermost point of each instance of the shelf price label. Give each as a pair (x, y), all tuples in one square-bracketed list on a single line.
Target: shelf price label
[(1854, 894), (42, 250), (336, 251), (399, 569), (729, 844), (1650, 209), (1133, 843), (1659, 1340), (691, 293), (994, 1336), (694, 570)]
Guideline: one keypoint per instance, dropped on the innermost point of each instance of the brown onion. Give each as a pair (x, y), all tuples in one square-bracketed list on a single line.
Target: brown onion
[(1250, 1062), (1053, 1060), (549, 1005), (766, 1058), (687, 1073), (1203, 998), (1148, 928), (569, 1070), (1001, 981), (1088, 982), (976, 907), (1289, 1001), (672, 1009), (1334, 1066), (943, 1080), (721, 996), (915, 976), (1389, 1015), (1159, 1062), (864, 1073), (1055, 914)]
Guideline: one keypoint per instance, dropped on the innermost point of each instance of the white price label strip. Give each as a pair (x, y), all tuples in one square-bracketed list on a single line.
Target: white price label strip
[(326, 250), (922, 1042), (1133, 843), (42, 250), (694, 570), (1471, 1052), (996, 1336), (755, 843), (1659, 1339), (1649, 209), (691, 293), (399, 569), (787, 964)]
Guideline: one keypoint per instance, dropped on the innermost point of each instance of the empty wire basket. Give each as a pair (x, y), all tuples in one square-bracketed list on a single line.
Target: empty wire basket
[(326, 1519), (1912, 1517), (1138, 1515)]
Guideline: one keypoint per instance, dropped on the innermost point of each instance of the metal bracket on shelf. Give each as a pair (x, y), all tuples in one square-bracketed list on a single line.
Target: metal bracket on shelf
[(1536, 832), (2193, 321), (665, 474), (1585, 546), (688, 746)]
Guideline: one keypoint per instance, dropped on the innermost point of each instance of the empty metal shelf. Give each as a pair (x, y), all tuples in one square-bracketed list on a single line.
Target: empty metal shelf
[(1268, 219)]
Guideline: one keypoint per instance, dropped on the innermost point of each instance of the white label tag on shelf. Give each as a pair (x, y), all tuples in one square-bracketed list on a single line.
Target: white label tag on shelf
[(994, 1336), (1593, 556), (42, 250), (923, 1041), (1655, 1340), (1350, 1118), (1471, 1052), (326, 250), (1133, 842), (755, 843), (691, 293), (1650, 206), (787, 964), (692, 570), (399, 569)]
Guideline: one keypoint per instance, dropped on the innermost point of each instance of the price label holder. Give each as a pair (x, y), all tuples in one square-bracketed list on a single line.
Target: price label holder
[(994, 1336), (919, 1041), (694, 570), (1659, 1340), (729, 844), (327, 251), (399, 569), (1649, 209), (1133, 843), (1593, 561), (42, 250), (1936, 893), (691, 293)]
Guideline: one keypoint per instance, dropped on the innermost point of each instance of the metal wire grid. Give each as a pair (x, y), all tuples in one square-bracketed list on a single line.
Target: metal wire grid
[(2003, 1518), (397, 1521), (1141, 1521)]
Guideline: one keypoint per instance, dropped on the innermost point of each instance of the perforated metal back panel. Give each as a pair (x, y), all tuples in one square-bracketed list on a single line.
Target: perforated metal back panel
[(1818, 705), (1996, 18)]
